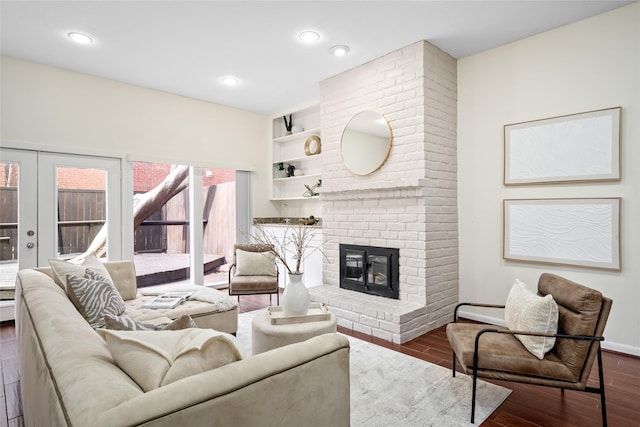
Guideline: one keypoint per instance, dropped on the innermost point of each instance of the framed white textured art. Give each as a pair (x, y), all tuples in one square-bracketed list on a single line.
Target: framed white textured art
[(578, 232), (576, 147)]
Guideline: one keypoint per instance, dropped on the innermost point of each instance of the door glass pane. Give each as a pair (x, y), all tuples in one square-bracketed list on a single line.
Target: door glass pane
[(8, 224), (161, 222), (162, 229), (81, 195), (219, 224)]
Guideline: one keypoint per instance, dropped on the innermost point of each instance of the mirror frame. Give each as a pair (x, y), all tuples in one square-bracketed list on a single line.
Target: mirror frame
[(382, 161)]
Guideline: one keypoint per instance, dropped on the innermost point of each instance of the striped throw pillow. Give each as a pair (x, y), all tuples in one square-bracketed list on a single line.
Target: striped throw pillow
[(94, 297)]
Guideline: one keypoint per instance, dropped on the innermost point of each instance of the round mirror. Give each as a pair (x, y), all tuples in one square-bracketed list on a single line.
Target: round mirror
[(366, 143)]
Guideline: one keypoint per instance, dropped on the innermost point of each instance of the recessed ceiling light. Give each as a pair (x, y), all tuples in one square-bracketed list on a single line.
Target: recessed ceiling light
[(80, 38), (230, 81), (340, 50), (309, 36)]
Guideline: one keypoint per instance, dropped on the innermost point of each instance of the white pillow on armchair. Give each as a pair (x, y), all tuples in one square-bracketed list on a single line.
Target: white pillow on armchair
[(527, 311), (255, 263)]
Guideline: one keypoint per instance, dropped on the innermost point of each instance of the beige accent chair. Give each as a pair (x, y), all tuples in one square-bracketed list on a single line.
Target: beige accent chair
[(489, 351), (249, 284)]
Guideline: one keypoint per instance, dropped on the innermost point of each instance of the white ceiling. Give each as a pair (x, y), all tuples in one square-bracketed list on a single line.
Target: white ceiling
[(185, 47)]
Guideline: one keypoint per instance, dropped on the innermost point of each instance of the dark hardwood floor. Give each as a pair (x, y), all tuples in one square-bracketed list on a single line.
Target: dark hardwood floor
[(527, 406)]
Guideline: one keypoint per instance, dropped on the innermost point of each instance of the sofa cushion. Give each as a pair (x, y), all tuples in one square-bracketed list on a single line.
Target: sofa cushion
[(255, 263), (123, 274), (123, 323), (62, 268), (94, 297), (157, 358), (526, 311)]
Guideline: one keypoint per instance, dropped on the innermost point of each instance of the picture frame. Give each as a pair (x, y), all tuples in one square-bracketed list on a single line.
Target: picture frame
[(581, 232), (572, 148)]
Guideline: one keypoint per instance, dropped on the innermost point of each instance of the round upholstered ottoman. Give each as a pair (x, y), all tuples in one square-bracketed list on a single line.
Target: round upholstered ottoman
[(265, 336)]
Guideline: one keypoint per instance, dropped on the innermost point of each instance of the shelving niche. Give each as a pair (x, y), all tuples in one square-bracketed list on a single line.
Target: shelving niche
[(290, 150)]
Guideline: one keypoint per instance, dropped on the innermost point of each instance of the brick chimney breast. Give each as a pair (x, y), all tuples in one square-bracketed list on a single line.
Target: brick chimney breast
[(410, 203)]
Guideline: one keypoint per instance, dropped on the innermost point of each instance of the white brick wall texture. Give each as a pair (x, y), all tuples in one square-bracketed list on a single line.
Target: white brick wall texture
[(409, 203)]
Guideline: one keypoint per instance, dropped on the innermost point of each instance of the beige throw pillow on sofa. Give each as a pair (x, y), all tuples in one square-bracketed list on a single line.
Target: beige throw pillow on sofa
[(157, 358), (526, 311), (255, 263), (62, 268)]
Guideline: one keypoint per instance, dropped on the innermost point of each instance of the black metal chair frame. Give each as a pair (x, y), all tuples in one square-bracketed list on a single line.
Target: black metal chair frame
[(595, 341)]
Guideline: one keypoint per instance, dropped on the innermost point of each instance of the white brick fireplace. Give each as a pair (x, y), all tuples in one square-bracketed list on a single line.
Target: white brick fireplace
[(409, 204)]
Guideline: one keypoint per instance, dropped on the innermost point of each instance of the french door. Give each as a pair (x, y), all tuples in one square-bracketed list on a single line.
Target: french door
[(54, 205)]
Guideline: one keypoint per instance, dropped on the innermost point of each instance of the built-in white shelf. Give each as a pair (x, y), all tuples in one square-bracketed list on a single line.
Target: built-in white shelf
[(297, 136), (299, 159), (299, 178), (290, 150)]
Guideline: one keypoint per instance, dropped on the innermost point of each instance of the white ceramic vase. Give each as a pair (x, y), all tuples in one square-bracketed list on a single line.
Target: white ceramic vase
[(295, 299)]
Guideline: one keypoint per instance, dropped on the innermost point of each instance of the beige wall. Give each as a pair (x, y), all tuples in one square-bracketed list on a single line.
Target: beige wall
[(46, 106), (588, 65)]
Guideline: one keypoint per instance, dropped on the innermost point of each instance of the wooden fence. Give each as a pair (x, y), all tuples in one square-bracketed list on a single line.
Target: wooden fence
[(219, 221), (8, 223), (81, 214)]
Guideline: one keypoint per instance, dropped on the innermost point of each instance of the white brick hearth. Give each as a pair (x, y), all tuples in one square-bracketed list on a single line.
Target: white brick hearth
[(383, 318), (409, 204)]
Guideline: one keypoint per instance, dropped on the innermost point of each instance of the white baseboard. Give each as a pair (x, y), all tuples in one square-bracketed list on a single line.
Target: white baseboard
[(607, 345), (482, 318), (621, 348)]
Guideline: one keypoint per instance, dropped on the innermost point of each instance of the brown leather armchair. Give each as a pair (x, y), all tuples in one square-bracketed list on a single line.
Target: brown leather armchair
[(489, 351), (253, 281)]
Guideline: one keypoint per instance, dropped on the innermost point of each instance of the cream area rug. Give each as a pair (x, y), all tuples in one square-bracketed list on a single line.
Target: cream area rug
[(392, 389)]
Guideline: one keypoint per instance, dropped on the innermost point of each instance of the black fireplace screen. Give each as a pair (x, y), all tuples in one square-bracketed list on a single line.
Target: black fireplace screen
[(370, 269)]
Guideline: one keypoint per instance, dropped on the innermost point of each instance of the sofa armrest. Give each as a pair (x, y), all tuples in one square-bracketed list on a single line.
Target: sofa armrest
[(307, 383), (123, 274)]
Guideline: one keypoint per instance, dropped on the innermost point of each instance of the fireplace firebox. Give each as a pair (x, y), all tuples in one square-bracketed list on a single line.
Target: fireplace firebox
[(370, 269)]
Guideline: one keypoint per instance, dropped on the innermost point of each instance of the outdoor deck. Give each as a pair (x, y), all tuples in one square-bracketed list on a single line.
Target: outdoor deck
[(154, 269)]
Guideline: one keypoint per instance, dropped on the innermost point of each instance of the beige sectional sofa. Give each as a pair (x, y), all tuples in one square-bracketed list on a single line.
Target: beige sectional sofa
[(68, 376)]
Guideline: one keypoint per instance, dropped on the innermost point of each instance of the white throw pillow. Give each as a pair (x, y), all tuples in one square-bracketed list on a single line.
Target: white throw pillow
[(62, 268), (255, 263), (526, 311), (157, 358)]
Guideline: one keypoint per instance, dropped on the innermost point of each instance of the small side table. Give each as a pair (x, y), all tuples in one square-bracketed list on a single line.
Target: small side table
[(265, 336)]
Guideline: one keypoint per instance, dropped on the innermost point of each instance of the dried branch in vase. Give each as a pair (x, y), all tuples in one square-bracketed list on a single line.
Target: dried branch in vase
[(297, 242)]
